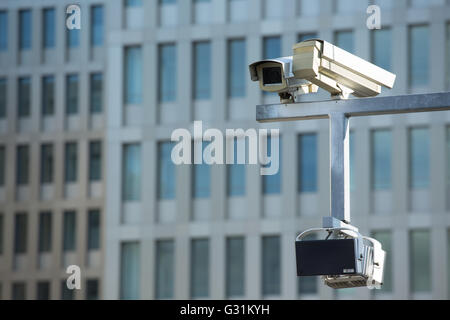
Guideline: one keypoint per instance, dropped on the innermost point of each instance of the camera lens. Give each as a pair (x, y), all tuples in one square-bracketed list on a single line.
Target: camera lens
[(272, 75)]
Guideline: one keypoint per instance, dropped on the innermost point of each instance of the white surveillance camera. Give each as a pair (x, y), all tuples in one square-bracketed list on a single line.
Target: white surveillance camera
[(346, 260), (319, 63), (275, 75)]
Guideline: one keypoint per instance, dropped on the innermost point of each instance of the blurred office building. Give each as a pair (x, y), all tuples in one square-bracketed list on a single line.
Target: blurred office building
[(86, 176)]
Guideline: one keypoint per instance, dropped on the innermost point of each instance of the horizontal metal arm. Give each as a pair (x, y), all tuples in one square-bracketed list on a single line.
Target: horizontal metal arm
[(339, 112), (354, 107)]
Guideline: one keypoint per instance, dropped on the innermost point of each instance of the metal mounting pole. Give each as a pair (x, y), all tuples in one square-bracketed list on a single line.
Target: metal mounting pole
[(339, 167), (339, 113)]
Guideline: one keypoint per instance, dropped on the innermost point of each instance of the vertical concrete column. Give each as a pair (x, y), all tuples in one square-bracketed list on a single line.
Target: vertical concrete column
[(253, 269), (437, 61), (400, 167), (288, 266), (400, 255), (182, 265), (219, 58), (220, 11), (439, 258), (217, 264), (60, 34), (150, 81), (85, 36), (147, 279), (184, 81), (438, 165), (400, 36), (37, 34), (114, 80), (255, 10)]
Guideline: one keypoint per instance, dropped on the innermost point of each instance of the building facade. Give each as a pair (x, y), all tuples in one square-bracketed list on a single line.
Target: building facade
[(52, 141), (220, 231), (227, 232)]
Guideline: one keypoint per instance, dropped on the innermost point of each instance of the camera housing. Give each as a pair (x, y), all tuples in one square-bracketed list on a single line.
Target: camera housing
[(276, 75), (347, 260), (317, 63)]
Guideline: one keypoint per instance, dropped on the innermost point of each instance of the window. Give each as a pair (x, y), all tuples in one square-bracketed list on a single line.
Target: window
[(306, 36), (70, 162), (382, 48), (130, 270), (202, 11), (419, 158), (165, 269), (272, 183), (23, 163), (73, 38), (2, 231), (95, 161), (24, 97), (236, 67), (271, 265), (133, 75), (25, 29), (46, 163), (166, 172), (66, 293), (344, 6), (235, 267), (3, 100), (272, 47), (308, 8), (385, 238), (49, 28), (93, 229), (168, 12), (236, 173), (18, 291), (92, 289), (131, 172), (69, 231), (48, 95), (344, 40), (419, 56), (167, 73), (2, 165), (45, 232), (20, 233), (96, 93), (199, 268), (307, 157), (420, 261), (3, 31), (43, 290), (201, 174), (97, 26), (381, 159), (237, 10), (273, 9), (72, 94), (202, 70), (133, 3)]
